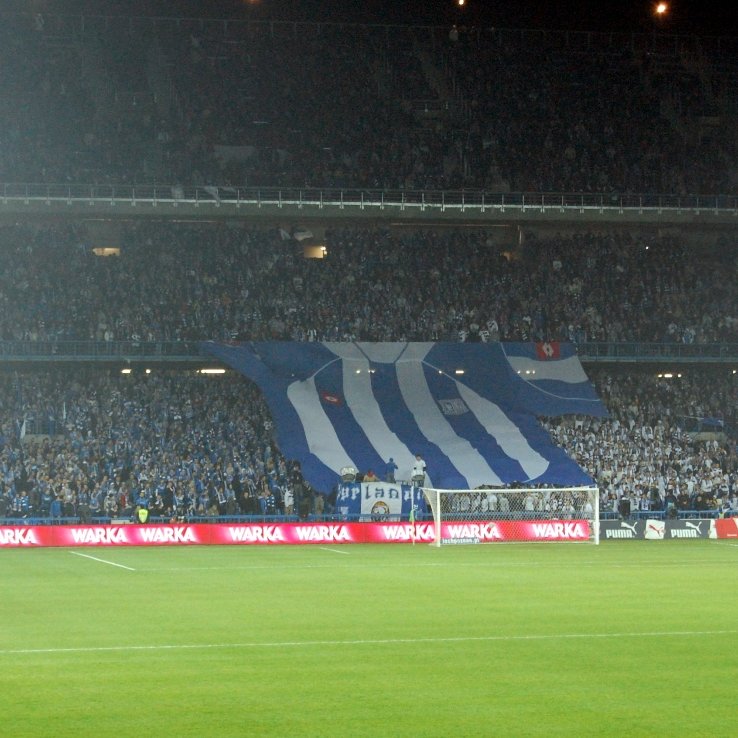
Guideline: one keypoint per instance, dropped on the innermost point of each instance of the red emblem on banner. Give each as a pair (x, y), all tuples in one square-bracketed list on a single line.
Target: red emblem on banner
[(548, 350), (331, 398)]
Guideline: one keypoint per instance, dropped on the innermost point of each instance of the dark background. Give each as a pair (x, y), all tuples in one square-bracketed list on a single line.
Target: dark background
[(685, 16)]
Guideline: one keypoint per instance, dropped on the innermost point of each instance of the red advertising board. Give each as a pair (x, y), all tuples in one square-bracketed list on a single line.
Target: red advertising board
[(290, 533), (726, 527)]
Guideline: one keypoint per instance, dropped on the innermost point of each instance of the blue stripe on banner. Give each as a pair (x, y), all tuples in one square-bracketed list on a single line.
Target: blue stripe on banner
[(460, 415), (553, 390), (335, 382), (290, 361), (484, 366), (261, 363), (402, 422), (561, 469), (422, 381), (360, 363)]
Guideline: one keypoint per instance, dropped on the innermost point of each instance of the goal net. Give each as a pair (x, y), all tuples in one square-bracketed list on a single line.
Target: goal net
[(497, 515)]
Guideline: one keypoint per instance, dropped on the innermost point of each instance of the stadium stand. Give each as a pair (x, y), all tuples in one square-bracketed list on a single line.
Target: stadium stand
[(188, 101), (184, 102), (178, 443), (651, 451), (231, 283), (190, 445)]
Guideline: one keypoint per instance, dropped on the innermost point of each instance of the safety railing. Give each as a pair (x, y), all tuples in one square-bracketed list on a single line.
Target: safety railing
[(59, 350), (361, 199), (52, 350), (36, 519), (650, 351)]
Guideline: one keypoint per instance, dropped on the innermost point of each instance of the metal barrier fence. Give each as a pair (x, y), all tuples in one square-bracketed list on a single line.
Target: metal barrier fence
[(334, 518), (58, 350), (653, 350), (99, 350), (362, 199)]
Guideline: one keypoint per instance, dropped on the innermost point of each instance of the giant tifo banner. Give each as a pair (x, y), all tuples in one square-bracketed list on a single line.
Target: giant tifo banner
[(469, 409), (290, 533)]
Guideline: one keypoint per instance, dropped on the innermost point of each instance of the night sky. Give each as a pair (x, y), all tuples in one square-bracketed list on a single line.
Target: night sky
[(685, 16)]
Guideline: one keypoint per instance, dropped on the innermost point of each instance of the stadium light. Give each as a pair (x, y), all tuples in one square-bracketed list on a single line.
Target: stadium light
[(661, 9), (213, 371), (125, 371)]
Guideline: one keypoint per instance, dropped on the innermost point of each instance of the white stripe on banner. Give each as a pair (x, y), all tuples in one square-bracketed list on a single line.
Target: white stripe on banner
[(562, 370), (433, 423), (505, 432), (320, 434), (360, 399), (380, 353)]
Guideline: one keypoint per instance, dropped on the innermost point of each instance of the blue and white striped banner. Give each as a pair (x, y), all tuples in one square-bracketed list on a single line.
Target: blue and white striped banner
[(468, 409)]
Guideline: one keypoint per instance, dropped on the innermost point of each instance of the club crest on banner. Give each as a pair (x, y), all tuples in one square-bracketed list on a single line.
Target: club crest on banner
[(453, 407)]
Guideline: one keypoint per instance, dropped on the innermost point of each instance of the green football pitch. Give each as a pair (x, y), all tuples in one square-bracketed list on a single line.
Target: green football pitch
[(622, 639)]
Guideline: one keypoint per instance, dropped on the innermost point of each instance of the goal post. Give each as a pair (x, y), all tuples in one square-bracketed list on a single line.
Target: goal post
[(526, 514)]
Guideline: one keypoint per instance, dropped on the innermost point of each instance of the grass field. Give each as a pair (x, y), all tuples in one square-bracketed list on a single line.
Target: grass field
[(623, 639)]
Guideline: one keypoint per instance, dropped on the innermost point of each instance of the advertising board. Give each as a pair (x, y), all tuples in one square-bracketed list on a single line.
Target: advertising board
[(290, 533)]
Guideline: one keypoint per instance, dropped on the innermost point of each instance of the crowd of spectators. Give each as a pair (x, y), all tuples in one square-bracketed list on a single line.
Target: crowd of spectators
[(184, 102), (177, 443), (181, 444), (648, 452), (561, 118), (241, 104), (178, 282)]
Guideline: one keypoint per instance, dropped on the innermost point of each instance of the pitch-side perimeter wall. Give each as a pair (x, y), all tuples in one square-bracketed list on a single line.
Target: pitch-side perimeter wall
[(290, 533), (660, 530), (333, 533)]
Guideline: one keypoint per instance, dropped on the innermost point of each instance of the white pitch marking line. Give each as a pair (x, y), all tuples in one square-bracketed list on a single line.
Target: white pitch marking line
[(334, 550), (375, 642), (102, 561)]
